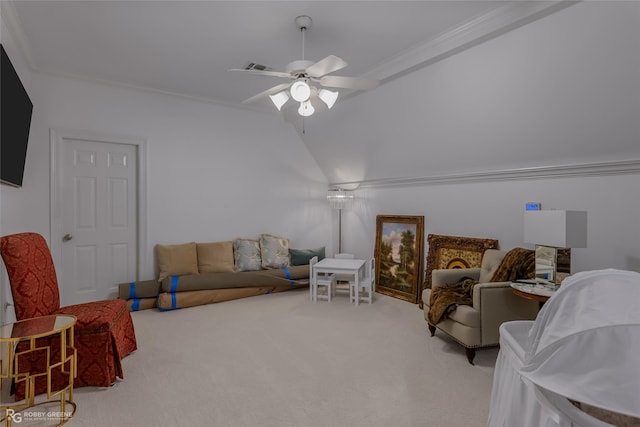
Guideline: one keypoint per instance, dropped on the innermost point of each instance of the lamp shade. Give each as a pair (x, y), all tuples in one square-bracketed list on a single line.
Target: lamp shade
[(328, 97), (339, 198), (279, 99), (562, 229), (300, 90), (306, 109)]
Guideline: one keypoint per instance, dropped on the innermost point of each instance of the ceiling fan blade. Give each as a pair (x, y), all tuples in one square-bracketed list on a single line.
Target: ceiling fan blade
[(325, 66), (358, 83), (264, 73), (267, 92)]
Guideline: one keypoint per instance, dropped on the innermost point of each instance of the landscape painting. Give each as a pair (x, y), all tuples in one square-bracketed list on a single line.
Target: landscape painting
[(398, 254)]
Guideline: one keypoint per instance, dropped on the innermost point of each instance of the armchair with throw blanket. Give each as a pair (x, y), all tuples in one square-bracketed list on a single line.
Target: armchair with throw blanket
[(470, 304)]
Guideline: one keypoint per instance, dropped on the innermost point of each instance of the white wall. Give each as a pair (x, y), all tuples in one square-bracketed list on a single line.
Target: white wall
[(496, 210), (559, 91), (213, 173)]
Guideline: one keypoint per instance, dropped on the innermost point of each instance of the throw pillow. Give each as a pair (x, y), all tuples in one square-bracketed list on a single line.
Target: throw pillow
[(275, 251), (302, 256), (177, 260), (246, 254), (216, 257)]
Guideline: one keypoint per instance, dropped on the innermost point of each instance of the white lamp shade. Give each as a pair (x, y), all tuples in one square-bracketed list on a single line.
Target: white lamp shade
[(306, 109), (339, 198), (300, 91), (279, 99), (328, 97), (562, 229)]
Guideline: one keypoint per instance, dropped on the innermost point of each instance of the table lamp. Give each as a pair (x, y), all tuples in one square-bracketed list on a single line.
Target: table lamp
[(555, 232)]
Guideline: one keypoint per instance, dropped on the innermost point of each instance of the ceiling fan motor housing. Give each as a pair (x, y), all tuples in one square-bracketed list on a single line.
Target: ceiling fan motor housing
[(298, 67)]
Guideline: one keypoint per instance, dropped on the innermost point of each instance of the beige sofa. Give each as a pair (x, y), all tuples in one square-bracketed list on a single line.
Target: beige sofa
[(193, 273), (493, 303)]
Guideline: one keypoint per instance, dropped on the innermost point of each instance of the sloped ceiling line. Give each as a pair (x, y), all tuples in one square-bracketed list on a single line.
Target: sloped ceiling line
[(10, 19), (478, 30), (540, 172)]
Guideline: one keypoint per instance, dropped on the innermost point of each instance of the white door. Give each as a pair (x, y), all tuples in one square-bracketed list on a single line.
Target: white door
[(97, 208)]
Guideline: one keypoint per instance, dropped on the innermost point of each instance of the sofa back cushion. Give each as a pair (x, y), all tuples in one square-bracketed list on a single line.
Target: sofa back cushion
[(491, 260), (177, 260), (302, 256), (216, 257)]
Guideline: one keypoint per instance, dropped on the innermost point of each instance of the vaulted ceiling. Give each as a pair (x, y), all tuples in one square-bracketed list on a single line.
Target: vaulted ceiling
[(187, 47)]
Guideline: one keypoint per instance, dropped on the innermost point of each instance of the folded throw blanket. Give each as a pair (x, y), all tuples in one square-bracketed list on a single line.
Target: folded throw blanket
[(518, 263)]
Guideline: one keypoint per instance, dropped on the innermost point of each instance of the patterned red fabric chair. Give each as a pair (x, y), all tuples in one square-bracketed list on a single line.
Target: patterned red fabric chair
[(104, 332)]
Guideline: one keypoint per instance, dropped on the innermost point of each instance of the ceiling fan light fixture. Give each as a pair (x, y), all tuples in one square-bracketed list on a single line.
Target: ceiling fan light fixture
[(328, 97), (279, 99), (306, 109), (300, 90)]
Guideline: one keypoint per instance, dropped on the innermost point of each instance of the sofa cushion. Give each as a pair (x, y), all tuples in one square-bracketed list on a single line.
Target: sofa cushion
[(491, 259), (302, 256), (216, 257), (274, 251), (177, 260), (466, 315), (463, 314), (246, 253)]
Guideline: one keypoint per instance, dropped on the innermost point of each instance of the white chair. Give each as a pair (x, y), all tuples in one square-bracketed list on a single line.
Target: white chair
[(342, 279), (582, 347), (366, 284), (320, 279)]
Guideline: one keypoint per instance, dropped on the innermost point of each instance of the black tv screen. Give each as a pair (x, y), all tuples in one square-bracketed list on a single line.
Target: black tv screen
[(15, 122)]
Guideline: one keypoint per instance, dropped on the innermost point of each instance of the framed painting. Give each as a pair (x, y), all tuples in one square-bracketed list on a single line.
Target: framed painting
[(455, 252), (398, 255)]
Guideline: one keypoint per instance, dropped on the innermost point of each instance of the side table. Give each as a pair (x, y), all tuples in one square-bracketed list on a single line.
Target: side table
[(54, 327), (537, 292)]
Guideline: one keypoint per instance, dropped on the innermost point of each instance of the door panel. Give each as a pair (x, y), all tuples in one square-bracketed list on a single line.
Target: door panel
[(98, 207)]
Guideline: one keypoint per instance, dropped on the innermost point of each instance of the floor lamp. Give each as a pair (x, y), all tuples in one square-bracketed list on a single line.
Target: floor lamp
[(340, 199)]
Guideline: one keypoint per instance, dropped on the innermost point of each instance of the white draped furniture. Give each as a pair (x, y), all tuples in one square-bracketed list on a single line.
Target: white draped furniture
[(584, 347)]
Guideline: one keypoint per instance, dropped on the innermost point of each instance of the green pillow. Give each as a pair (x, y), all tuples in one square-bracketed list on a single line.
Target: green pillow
[(302, 256)]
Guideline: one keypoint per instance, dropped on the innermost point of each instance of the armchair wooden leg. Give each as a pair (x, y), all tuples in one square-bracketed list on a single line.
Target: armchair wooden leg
[(432, 329), (471, 353)]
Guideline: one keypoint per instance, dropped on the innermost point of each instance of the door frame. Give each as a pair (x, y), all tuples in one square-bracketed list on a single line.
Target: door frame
[(57, 138)]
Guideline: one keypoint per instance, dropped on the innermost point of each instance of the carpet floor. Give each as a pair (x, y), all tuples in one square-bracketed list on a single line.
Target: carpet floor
[(280, 360)]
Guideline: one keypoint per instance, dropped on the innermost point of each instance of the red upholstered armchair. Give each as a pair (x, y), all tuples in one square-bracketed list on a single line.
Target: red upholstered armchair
[(104, 331)]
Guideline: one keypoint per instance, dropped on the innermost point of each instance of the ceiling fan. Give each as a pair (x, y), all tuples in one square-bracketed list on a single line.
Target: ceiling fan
[(306, 75)]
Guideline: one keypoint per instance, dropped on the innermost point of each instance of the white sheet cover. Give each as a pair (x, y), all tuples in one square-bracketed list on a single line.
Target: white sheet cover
[(583, 345)]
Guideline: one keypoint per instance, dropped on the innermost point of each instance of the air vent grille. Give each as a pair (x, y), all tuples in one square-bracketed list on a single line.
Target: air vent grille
[(258, 67)]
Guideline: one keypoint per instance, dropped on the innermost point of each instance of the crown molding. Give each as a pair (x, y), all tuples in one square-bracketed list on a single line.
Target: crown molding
[(477, 30), (622, 167), (14, 26)]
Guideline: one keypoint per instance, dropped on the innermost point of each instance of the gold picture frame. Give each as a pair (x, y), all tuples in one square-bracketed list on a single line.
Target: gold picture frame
[(398, 255), (454, 252)]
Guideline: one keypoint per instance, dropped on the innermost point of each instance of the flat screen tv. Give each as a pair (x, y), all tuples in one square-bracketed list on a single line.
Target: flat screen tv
[(15, 123)]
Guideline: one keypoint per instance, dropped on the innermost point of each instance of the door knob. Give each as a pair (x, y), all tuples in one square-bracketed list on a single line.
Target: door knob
[(67, 237)]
